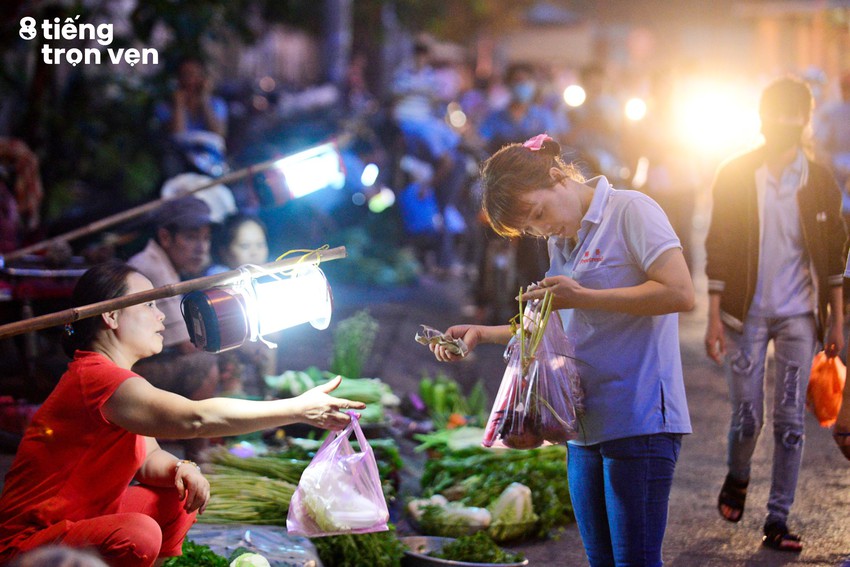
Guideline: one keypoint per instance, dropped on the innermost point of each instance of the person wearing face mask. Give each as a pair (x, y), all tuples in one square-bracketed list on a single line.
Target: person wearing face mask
[(775, 265), (521, 119)]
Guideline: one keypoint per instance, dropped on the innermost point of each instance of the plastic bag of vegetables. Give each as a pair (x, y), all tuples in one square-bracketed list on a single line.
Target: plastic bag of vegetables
[(540, 397), (340, 490)]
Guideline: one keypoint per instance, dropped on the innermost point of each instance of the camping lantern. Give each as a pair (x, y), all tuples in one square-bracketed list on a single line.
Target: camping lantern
[(221, 319)]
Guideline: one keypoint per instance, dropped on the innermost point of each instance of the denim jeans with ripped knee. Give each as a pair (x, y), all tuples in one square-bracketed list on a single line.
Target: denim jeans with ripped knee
[(794, 341)]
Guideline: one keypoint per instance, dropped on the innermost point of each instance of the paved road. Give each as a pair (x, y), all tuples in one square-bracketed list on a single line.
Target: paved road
[(696, 535)]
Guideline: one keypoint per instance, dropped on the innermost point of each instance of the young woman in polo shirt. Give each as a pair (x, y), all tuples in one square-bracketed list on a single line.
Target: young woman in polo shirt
[(619, 278)]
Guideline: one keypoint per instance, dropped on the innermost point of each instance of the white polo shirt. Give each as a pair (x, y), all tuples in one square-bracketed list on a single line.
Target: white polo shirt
[(784, 287), (630, 366)]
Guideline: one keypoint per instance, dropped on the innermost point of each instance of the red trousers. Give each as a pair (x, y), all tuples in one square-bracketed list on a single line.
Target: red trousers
[(150, 523)]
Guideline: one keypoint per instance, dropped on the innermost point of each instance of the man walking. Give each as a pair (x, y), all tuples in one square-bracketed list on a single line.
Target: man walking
[(775, 265)]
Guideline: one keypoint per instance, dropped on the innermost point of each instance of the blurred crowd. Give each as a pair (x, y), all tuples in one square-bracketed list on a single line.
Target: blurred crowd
[(417, 144)]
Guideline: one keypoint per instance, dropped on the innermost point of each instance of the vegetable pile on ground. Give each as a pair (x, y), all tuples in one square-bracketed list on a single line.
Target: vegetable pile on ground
[(459, 483), (477, 548)]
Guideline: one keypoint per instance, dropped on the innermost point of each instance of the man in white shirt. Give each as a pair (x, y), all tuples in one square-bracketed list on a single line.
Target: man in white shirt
[(774, 263), (180, 250)]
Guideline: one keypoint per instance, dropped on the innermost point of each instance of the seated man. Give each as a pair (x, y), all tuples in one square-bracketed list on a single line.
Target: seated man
[(180, 250)]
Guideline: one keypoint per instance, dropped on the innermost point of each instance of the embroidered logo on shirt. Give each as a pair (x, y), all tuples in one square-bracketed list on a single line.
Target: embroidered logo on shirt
[(597, 257)]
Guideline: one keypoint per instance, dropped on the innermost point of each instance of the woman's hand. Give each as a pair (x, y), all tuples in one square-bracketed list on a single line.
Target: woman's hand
[(192, 486), (470, 334), (567, 292), (317, 408)]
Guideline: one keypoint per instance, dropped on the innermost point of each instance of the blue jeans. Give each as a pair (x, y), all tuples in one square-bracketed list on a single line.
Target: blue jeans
[(794, 342), (620, 490)]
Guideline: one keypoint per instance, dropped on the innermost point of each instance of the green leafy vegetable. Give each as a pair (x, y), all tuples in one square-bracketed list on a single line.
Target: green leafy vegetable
[(513, 514), (378, 549), (451, 440), (353, 341), (443, 396), (453, 519), (196, 555), (476, 548)]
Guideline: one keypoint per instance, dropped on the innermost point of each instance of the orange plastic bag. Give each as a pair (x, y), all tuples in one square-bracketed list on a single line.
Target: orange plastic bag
[(826, 384)]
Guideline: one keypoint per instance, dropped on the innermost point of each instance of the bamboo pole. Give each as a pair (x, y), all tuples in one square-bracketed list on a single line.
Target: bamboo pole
[(76, 313), (145, 208)]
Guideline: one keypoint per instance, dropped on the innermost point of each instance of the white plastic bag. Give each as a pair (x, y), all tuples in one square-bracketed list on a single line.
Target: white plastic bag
[(340, 490)]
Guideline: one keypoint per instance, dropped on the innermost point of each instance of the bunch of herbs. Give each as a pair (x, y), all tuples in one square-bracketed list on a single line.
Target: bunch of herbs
[(353, 341)]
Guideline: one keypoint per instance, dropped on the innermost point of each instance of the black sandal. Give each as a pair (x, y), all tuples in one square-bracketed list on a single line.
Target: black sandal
[(733, 494), (777, 536)]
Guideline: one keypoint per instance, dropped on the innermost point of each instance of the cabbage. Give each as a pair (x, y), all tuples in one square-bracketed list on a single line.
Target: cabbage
[(416, 507), (452, 519), (512, 513), (250, 560)]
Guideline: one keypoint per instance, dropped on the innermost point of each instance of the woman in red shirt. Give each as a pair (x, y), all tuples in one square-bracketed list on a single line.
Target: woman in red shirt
[(95, 433)]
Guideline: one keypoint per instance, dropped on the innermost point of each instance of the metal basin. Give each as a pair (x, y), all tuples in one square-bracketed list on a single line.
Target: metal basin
[(420, 546)]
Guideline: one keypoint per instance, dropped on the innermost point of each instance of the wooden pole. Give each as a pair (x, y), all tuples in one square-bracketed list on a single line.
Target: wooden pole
[(146, 207), (206, 282)]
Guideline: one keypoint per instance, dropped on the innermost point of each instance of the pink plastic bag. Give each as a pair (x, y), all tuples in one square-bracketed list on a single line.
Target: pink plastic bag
[(540, 397), (340, 490)]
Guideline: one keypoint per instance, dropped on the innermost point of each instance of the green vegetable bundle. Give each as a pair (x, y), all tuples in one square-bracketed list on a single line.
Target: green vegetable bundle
[(353, 341), (250, 490), (288, 470), (245, 498)]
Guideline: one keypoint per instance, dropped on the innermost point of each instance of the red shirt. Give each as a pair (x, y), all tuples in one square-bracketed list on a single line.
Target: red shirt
[(72, 463)]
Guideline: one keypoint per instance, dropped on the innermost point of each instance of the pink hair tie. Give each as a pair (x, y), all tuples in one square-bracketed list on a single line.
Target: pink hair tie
[(536, 142)]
